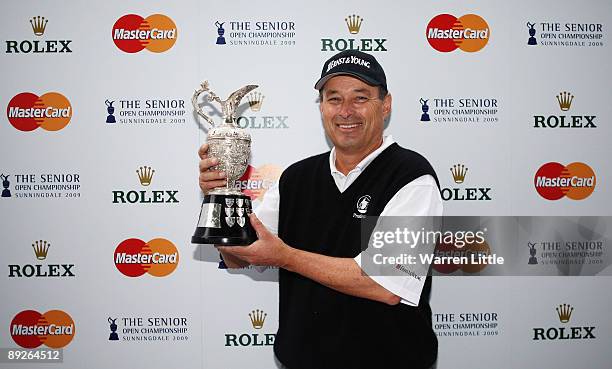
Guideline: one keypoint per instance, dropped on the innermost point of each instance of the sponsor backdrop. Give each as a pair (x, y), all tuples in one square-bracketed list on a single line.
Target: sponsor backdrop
[(508, 100)]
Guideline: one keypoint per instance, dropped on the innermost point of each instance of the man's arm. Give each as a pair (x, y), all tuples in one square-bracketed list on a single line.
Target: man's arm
[(340, 274), (231, 261)]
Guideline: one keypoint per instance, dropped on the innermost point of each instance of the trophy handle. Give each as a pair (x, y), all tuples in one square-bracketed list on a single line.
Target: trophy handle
[(211, 97), (229, 106)]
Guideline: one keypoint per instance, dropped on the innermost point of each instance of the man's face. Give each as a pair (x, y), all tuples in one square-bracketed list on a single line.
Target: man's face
[(353, 115)]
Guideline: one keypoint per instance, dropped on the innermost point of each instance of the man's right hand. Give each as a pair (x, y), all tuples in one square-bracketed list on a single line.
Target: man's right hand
[(209, 179)]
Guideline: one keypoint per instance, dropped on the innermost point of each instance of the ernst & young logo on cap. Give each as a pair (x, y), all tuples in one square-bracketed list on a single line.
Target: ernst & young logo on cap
[(156, 33), (446, 33), (158, 257), (27, 111), (54, 329), (554, 181)]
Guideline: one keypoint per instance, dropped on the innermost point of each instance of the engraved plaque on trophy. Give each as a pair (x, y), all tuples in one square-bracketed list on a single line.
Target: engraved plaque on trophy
[(225, 210)]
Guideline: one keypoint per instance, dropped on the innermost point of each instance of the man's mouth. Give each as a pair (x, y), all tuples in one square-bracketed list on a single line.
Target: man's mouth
[(348, 125)]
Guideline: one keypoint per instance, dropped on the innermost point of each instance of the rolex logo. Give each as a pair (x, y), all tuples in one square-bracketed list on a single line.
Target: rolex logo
[(40, 249), (354, 23), (565, 312), (257, 318), (38, 25), (255, 100), (145, 174), (459, 171), (565, 100)]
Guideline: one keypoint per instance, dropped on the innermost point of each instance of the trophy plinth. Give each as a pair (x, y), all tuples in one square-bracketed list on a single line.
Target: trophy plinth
[(224, 217), (224, 220)]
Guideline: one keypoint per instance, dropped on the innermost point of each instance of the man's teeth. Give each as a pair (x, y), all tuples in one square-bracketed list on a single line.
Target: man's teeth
[(349, 125)]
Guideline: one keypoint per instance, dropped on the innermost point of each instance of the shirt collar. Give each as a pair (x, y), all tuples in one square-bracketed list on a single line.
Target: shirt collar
[(387, 141)]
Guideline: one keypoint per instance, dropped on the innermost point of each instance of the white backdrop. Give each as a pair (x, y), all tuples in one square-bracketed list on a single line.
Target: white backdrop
[(210, 306)]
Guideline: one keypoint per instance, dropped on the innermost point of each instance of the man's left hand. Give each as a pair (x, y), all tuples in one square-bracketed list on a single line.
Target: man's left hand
[(268, 250)]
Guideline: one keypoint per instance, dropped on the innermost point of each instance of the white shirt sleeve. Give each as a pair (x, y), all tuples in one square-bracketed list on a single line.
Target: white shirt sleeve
[(420, 197), (268, 209)]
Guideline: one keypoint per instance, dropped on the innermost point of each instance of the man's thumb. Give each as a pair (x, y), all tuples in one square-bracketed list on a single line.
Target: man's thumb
[(259, 227)]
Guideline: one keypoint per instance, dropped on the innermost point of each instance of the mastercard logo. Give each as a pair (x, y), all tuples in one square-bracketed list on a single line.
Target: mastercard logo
[(132, 33), (158, 257), (51, 111), (54, 329), (471, 251), (576, 181), (256, 181), (446, 33)]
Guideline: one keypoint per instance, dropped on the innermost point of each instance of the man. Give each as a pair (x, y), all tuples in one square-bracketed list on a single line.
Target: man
[(331, 314)]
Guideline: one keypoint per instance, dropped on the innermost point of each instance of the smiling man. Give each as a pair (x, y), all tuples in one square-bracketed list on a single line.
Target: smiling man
[(331, 314)]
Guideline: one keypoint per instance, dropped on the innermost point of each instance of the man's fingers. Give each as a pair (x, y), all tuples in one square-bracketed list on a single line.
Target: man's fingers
[(212, 176), (203, 151), (209, 185), (208, 163)]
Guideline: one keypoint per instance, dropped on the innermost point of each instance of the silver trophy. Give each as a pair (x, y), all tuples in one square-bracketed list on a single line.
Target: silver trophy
[(225, 210)]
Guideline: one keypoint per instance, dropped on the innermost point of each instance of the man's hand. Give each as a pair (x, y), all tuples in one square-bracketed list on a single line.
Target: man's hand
[(209, 179), (267, 250), (341, 274)]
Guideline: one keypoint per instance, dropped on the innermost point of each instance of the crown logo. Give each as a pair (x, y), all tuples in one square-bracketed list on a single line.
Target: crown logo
[(565, 312), (40, 249), (459, 171), (38, 25), (257, 318), (145, 174), (255, 100), (354, 23), (565, 100)]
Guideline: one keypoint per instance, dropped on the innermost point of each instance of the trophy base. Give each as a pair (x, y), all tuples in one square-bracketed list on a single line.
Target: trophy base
[(224, 220)]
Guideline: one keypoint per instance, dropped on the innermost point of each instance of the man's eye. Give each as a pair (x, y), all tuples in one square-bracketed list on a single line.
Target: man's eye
[(334, 100), (361, 99)]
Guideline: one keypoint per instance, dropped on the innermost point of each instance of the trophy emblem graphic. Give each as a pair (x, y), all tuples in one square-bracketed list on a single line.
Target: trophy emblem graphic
[(532, 32), (532, 253), (425, 109), (110, 109), (113, 327), (6, 192), (220, 33)]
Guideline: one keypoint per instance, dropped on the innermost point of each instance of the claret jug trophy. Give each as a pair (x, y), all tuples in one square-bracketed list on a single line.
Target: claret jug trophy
[(224, 217)]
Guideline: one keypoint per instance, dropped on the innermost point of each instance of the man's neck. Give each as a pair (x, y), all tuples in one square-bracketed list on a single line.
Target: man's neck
[(347, 161)]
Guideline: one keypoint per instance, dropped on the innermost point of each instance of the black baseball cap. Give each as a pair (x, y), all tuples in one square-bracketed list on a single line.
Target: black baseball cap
[(353, 63)]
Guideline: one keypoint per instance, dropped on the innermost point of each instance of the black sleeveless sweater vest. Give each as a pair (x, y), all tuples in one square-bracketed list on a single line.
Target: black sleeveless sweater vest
[(319, 327)]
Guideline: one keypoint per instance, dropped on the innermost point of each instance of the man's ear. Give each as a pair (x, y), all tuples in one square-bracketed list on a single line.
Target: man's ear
[(387, 106)]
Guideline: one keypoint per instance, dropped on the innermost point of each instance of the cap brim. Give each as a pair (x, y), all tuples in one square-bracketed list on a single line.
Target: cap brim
[(321, 82)]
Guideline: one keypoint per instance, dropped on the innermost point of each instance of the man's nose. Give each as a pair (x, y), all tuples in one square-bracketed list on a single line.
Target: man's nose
[(346, 109)]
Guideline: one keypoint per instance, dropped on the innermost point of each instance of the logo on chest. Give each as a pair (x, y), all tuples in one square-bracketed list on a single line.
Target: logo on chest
[(361, 207)]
